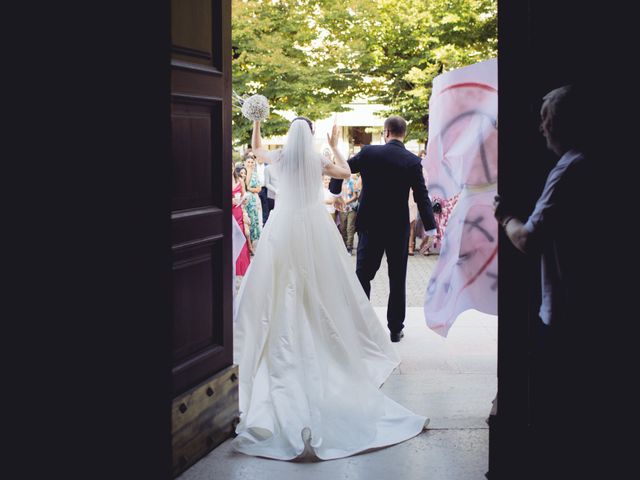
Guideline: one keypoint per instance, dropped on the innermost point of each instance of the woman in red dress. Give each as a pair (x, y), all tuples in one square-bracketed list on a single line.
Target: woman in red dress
[(237, 193)]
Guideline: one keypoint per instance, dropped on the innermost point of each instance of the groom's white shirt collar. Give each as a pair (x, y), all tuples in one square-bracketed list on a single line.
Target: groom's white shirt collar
[(260, 169)]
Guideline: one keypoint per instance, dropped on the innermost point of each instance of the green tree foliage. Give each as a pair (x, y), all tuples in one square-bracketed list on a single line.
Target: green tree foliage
[(313, 56), (303, 55), (422, 39)]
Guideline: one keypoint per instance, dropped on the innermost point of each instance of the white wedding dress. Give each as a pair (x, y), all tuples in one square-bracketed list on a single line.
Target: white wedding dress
[(311, 351)]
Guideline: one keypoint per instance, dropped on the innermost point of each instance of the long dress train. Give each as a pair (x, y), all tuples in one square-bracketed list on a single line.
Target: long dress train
[(311, 351)]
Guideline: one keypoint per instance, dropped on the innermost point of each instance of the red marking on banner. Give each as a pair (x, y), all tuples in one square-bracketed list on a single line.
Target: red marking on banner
[(482, 269), (482, 86)]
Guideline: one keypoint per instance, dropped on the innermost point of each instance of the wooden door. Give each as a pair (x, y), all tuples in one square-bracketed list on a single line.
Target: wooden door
[(204, 380)]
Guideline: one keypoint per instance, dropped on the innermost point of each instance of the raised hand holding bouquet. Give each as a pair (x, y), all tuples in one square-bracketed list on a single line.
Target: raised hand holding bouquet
[(255, 108)]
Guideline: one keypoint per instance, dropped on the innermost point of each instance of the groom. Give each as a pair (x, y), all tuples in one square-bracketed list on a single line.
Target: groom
[(388, 172)]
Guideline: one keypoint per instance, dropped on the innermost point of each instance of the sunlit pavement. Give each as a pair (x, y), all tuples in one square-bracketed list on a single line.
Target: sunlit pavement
[(452, 381)]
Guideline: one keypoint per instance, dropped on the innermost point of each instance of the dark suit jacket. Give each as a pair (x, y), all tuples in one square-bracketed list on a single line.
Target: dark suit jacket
[(388, 172)]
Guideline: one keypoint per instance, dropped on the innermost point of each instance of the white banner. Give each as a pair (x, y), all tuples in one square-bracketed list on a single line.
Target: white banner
[(462, 154)]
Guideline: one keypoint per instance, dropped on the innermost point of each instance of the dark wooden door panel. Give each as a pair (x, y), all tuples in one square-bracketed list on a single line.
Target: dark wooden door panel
[(192, 154), (189, 80), (192, 300), (197, 36), (201, 190), (199, 345), (196, 124), (190, 227)]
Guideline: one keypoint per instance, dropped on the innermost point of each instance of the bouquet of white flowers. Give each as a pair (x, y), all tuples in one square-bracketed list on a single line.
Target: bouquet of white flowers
[(255, 108)]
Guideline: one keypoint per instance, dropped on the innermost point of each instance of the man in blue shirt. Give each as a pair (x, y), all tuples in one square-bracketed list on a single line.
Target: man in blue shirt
[(560, 229), (557, 227)]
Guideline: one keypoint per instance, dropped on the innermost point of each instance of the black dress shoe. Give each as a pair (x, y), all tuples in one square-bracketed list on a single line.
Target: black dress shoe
[(395, 337)]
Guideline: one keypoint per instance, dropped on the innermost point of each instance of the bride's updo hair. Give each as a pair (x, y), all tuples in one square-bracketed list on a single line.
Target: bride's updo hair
[(309, 122)]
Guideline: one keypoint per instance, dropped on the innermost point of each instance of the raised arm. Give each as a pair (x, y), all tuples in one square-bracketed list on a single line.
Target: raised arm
[(256, 143), (341, 168)]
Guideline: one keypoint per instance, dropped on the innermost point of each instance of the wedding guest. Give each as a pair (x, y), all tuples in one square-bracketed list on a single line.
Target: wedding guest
[(566, 392), (550, 231), (241, 172), (261, 168), (254, 205), (247, 229), (348, 212), (271, 183), (326, 153), (442, 210), (357, 182), (238, 193), (329, 199)]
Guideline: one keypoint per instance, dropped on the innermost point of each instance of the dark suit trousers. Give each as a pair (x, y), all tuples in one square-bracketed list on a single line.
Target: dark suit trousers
[(372, 244), (264, 200)]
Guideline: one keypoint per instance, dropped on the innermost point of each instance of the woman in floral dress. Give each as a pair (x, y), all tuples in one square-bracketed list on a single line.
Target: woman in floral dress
[(442, 210), (253, 207)]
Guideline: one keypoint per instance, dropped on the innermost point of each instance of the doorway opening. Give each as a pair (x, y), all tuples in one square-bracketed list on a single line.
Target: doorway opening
[(451, 380)]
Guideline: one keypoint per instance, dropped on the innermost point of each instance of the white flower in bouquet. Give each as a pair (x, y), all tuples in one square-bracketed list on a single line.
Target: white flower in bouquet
[(256, 107)]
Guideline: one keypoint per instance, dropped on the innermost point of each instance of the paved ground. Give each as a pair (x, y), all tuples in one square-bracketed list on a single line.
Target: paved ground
[(452, 381), (418, 274)]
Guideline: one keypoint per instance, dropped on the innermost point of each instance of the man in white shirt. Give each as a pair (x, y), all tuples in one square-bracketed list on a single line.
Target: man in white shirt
[(271, 183), (261, 168)]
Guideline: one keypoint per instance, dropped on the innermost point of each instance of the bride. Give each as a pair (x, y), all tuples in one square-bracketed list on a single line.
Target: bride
[(311, 351)]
